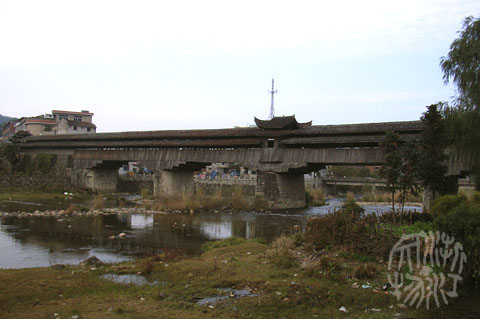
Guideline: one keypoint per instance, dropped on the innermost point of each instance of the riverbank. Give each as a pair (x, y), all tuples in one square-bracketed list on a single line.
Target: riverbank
[(314, 285)]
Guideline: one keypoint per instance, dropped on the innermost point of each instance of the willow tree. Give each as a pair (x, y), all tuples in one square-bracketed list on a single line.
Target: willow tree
[(462, 67)]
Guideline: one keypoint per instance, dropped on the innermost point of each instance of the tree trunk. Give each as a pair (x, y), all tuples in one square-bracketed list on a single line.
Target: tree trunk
[(393, 201)]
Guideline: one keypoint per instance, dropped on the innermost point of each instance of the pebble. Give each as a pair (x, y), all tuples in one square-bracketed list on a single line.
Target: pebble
[(62, 214)]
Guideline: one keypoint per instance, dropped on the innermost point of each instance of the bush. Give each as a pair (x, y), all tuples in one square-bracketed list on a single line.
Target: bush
[(44, 163), (352, 207), (325, 265), (409, 217), (459, 217), (349, 231)]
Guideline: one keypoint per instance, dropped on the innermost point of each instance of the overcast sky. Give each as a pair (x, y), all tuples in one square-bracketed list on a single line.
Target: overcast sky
[(153, 65)]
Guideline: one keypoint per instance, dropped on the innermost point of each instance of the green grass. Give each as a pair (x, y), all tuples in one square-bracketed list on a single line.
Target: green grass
[(414, 228), (232, 241), (293, 292), (30, 196)]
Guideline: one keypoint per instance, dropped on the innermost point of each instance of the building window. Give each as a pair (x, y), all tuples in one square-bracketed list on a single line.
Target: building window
[(88, 129), (74, 127), (63, 117), (77, 118)]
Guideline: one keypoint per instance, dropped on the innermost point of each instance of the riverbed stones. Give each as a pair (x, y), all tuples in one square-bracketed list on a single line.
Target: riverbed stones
[(62, 214)]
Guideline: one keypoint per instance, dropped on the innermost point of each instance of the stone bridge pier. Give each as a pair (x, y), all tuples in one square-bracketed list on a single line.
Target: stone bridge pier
[(280, 190), (173, 183), (96, 179)]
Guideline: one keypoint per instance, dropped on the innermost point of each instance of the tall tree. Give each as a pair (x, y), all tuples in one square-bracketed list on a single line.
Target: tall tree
[(432, 168), (409, 177), (391, 169), (462, 67)]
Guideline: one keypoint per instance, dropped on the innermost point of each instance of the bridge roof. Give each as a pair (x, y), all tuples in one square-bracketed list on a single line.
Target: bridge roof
[(281, 123), (316, 130), (345, 135)]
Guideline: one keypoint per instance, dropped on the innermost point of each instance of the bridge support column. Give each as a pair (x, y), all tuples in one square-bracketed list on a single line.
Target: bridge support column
[(280, 190), (95, 179), (173, 183)]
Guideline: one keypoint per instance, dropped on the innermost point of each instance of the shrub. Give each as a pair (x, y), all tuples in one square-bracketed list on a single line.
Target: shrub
[(459, 217), (281, 252), (325, 265), (12, 153), (43, 163), (365, 271), (351, 206), (349, 231), (409, 217)]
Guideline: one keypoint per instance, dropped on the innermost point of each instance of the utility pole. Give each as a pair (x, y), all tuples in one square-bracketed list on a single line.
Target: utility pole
[(272, 108)]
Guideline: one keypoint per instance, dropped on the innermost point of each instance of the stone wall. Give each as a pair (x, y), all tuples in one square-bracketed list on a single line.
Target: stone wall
[(34, 182), (55, 179), (135, 185)]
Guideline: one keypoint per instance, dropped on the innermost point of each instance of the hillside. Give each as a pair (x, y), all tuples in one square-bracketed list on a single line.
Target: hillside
[(5, 118)]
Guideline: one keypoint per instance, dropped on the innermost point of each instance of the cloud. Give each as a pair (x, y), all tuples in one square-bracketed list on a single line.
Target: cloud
[(57, 32)]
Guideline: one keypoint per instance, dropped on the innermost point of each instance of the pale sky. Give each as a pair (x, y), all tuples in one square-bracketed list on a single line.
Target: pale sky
[(154, 65)]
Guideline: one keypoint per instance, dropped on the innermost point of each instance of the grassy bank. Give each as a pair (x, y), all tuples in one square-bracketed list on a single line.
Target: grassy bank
[(310, 286), (30, 196)]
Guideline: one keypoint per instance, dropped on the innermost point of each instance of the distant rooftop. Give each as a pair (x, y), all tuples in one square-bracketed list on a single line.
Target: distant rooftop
[(83, 112)]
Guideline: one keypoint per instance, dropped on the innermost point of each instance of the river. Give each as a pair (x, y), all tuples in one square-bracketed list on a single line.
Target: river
[(43, 241)]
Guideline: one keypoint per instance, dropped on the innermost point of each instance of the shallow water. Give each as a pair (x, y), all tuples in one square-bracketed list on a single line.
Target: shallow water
[(237, 293), (44, 241), (130, 279)]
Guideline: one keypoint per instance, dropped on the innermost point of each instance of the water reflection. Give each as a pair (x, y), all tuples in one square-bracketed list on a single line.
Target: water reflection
[(43, 241), (130, 279)]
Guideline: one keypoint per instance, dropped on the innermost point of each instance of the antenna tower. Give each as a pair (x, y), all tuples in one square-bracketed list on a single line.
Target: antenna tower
[(272, 108)]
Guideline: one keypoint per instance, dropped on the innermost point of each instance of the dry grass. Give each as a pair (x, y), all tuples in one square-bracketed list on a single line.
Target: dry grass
[(365, 271), (315, 197), (281, 252), (239, 200), (148, 265), (350, 197), (98, 201), (145, 193), (71, 208), (199, 201)]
